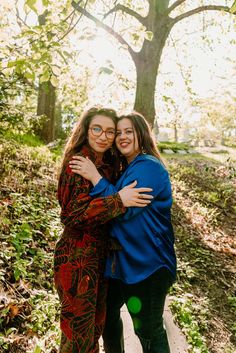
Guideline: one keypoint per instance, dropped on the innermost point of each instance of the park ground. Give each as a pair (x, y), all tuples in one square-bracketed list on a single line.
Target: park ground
[(202, 301)]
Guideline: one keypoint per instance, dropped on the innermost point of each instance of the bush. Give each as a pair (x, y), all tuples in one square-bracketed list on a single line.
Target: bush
[(174, 146)]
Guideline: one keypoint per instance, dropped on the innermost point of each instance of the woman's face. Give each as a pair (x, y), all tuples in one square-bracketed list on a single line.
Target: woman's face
[(127, 140), (101, 133)]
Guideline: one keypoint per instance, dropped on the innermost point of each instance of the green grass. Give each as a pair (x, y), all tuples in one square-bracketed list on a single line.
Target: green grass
[(174, 146), (23, 139)]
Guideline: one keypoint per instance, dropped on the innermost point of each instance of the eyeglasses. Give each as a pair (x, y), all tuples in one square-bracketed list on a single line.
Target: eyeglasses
[(97, 131)]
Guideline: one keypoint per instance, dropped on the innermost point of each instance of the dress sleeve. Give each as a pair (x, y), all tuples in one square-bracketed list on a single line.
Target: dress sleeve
[(78, 208), (147, 173)]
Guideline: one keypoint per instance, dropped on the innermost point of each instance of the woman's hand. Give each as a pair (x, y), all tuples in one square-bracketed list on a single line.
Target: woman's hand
[(134, 197), (86, 168)]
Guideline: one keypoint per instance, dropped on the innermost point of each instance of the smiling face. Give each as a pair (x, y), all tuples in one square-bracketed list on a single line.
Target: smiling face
[(127, 140), (105, 126)]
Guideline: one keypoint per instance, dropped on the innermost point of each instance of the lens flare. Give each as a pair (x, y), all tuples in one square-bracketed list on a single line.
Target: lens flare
[(134, 305)]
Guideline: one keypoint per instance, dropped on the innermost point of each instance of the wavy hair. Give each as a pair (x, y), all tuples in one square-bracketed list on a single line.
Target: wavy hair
[(78, 137), (145, 137)]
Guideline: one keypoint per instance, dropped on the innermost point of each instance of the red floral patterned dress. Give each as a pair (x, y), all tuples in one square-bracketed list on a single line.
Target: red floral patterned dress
[(80, 259)]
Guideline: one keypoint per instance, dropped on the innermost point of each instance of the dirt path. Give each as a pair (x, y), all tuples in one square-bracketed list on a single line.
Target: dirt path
[(176, 338), (228, 157)]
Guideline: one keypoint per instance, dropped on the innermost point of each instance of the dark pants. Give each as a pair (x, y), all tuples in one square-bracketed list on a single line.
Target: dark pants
[(145, 302)]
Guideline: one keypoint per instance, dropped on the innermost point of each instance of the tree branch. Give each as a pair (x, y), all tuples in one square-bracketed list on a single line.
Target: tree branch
[(201, 9), (18, 18), (72, 27), (129, 11), (104, 26), (173, 6)]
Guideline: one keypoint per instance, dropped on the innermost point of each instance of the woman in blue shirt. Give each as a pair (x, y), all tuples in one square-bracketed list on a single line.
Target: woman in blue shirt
[(142, 271)]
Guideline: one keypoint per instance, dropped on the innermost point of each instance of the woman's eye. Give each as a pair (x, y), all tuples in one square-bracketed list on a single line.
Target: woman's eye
[(129, 132), (96, 129), (110, 133), (118, 133)]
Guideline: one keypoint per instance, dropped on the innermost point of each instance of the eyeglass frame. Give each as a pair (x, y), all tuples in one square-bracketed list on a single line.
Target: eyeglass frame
[(102, 131)]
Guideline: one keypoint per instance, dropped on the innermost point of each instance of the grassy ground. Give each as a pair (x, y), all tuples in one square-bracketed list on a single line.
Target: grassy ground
[(203, 298)]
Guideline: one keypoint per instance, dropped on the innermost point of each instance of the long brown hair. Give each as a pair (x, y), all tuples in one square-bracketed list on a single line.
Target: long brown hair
[(78, 137), (146, 140)]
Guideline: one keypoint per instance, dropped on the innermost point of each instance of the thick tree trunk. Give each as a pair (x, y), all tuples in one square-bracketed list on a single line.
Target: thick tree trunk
[(46, 102), (145, 88), (46, 107), (147, 63)]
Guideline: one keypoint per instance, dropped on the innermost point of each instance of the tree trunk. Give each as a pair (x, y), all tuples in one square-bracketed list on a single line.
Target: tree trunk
[(46, 107), (46, 102), (145, 89), (59, 133), (175, 133), (147, 63)]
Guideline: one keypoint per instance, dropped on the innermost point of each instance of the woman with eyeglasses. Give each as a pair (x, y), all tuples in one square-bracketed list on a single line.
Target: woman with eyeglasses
[(80, 253), (140, 272)]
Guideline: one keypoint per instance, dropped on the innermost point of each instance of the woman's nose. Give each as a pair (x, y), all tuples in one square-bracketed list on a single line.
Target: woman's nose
[(122, 135), (103, 136)]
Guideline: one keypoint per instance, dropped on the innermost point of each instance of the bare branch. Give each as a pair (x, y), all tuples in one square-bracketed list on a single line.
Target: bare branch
[(72, 27), (129, 11), (173, 6), (18, 18), (104, 26), (201, 9)]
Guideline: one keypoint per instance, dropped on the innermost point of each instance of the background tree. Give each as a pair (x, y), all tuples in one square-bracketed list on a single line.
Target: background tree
[(46, 101), (38, 56), (155, 22), (220, 114)]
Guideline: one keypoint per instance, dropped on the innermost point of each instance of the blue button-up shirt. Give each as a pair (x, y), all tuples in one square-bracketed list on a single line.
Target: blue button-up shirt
[(145, 234)]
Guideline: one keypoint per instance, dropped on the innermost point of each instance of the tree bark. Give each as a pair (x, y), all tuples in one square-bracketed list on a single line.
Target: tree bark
[(46, 107), (46, 103), (175, 133), (147, 63), (59, 133)]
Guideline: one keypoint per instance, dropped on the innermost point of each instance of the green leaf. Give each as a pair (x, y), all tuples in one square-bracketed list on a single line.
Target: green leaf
[(105, 70), (37, 349), (11, 63), (45, 77), (17, 273), (44, 57), (31, 5), (10, 330), (233, 7), (148, 35), (56, 70), (54, 81), (18, 63), (66, 53), (30, 75), (45, 2)]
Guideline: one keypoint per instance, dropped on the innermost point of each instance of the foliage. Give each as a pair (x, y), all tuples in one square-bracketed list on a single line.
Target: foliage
[(193, 320), (38, 51), (203, 217), (174, 146), (22, 139), (29, 228), (16, 104), (219, 114), (204, 195)]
